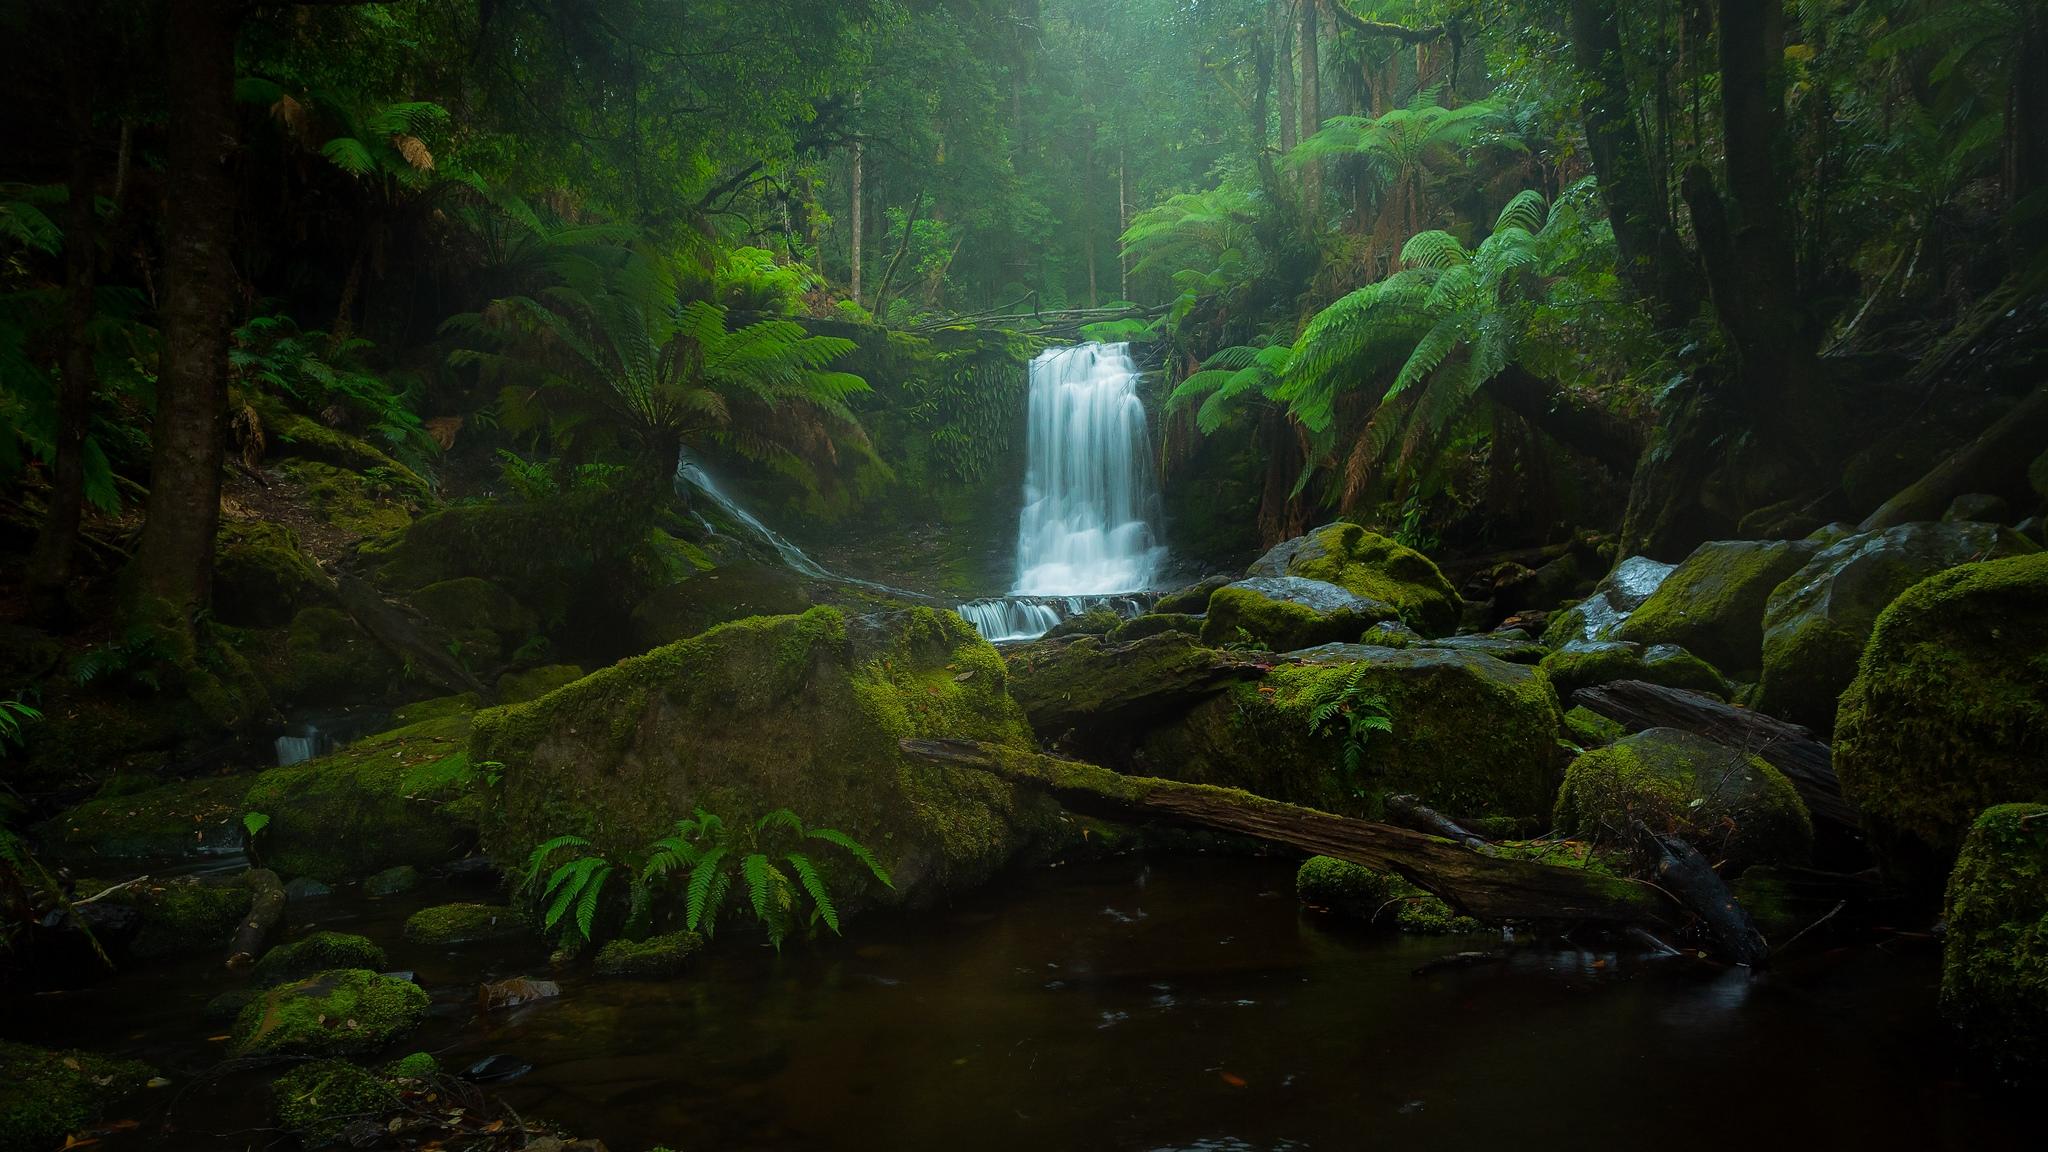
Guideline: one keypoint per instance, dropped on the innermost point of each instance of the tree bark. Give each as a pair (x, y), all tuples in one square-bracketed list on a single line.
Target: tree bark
[(854, 223), (1490, 888), (1311, 109), (1281, 28), (2026, 140), (50, 562), (266, 908), (174, 562)]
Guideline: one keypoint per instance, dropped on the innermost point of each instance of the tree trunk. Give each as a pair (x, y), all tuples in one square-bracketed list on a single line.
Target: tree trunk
[(853, 223), (1311, 108), (49, 565), (1282, 31), (2026, 140), (1088, 212), (1123, 221), (174, 562)]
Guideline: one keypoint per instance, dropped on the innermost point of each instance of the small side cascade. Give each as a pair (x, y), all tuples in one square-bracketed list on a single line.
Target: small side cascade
[(689, 472)]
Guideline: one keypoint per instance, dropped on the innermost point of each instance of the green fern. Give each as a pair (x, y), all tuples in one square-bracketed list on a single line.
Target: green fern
[(1343, 706)]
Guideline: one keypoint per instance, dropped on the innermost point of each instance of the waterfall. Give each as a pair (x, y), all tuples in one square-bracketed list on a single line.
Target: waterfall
[(1086, 537)]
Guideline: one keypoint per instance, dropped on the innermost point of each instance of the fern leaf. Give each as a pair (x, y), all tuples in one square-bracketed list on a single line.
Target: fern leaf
[(815, 886), (855, 849)]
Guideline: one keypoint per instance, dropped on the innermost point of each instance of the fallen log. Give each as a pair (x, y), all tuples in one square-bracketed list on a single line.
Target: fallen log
[(1789, 748), (388, 627), (1687, 875), (1413, 813), (265, 910), (1491, 888)]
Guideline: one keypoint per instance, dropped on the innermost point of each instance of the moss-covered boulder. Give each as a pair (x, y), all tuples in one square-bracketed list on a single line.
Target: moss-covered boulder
[(402, 797), (173, 822), (354, 504), (1192, 600), (1817, 622), (328, 658), (1378, 897), (1512, 645), (1285, 613), (1994, 972), (318, 952), (532, 684), (1585, 664), (1093, 622), (320, 1101), (801, 712), (291, 434), (1154, 624), (1713, 604), (450, 924), (1589, 729), (396, 880), (1472, 735), (656, 957), (734, 592), (1090, 681), (1948, 714), (1614, 597), (485, 619), (437, 708), (1372, 567), (261, 578), (47, 1095), (184, 915), (343, 1012), (1731, 805)]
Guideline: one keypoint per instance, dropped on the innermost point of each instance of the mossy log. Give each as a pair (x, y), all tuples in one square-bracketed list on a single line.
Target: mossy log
[(1489, 888), (265, 910)]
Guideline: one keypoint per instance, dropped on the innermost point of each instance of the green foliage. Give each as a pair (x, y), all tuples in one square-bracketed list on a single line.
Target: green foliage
[(318, 373), (139, 658), (15, 717), (1346, 700)]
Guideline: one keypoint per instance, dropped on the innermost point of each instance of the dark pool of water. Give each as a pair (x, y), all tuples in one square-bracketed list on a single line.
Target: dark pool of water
[(1181, 1003)]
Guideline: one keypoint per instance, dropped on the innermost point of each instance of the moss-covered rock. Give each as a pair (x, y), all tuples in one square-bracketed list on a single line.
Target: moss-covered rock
[(1285, 613), (1732, 805), (1154, 624), (318, 952), (450, 924), (532, 684), (1589, 729), (175, 821), (343, 1012), (1093, 622), (330, 659), (485, 619), (1371, 567), (1472, 735), (402, 797), (184, 915), (655, 957), (438, 708), (734, 592), (803, 712), (1585, 664), (355, 504), (1994, 972), (1817, 622), (1713, 604), (296, 435), (261, 578), (1619, 593), (1380, 897), (413, 1066), (1192, 600), (1512, 645), (319, 1101), (1948, 714), (47, 1095), (1091, 681), (396, 880)]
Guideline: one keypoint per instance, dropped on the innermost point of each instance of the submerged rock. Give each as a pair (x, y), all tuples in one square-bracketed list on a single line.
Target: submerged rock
[(1472, 735), (449, 924), (1372, 567), (1731, 805), (801, 712), (1288, 612), (1713, 604), (656, 957), (1583, 665), (1817, 622), (47, 1095), (348, 1011), (1948, 714), (1994, 972)]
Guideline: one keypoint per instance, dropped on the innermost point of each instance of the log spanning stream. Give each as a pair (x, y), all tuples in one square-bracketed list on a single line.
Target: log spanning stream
[(1131, 1005)]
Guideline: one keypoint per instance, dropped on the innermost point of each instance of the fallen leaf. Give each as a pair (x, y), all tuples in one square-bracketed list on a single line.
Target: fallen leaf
[(71, 1063), (1232, 1079)]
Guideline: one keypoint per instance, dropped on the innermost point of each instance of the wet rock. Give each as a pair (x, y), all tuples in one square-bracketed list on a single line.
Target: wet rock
[(1994, 974), (305, 888), (317, 953), (1288, 612), (1981, 507), (320, 1102), (47, 1095), (1713, 604), (1092, 684), (1373, 568), (2033, 528), (1617, 594), (1731, 805), (450, 924), (1512, 645), (1948, 714), (394, 881), (184, 915), (1818, 620), (496, 1069), (515, 992), (656, 957), (474, 870), (344, 1012), (1582, 665), (1193, 599), (1094, 622)]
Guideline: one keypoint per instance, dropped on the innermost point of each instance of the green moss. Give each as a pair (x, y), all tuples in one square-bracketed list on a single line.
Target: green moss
[(347, 1011), (438, 708), (449, 924), (328, 657), (660, 956), (1192, 600), (484, 618), (192, 817), (1094, 622), (393, 881), (1270, 611), (1067, 683), (1590, 729), (1948, 714), (318, 953), (1373, 567), (1713, 603), (1994, 975), (261, 578), (1472, 735), (734, 592), (1733, 806), (417, 1066), (358, 505), (514, 687), (1154, 624), (1381, 897), (184, 915), (1584, 665), (803, 712), (293, 434), (320, 1100), (47, 1095), (375, 804)]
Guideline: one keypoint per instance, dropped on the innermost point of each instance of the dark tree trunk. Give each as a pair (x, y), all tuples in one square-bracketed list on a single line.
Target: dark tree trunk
[(1652, 261), (1311, 108), (173, 563), (50, 563), (2026, 135)]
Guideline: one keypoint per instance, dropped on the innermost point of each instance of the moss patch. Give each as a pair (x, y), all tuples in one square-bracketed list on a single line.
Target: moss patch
[(1733, 806), (175, 821), (328, 658), (1713, 603), (47, 1095), (734, 592), (1948, 714), (184, 915), (1381, 897), (318, 953), (1584, 665), (356, 504), (1373, 567), (477, 614), (347, 1011), (1589, 729), (1287, 613), (450, 924), (518, 687), (656, 957), (320, 1100), (261, 578), (1994, 974)]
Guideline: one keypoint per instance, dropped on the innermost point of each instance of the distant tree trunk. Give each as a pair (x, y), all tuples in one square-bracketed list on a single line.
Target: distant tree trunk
[(174, 561), (49, 566), (2026, 137), (1282, 29), (853, 224), (1088, 212), (1311, 107), (1123, 222)]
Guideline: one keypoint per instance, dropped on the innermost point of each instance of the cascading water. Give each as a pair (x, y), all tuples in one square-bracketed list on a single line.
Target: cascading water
[(1085, 537)]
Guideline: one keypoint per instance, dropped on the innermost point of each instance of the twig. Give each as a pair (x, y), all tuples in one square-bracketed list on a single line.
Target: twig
[(1832, 912), (109, 892)]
